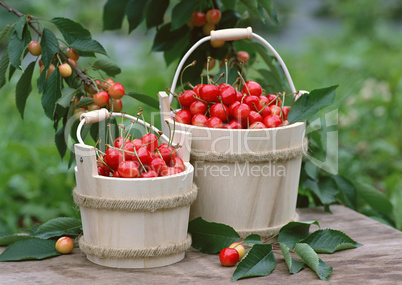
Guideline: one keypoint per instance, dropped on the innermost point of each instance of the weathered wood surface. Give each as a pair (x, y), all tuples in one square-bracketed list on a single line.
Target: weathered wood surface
[(379, 261)]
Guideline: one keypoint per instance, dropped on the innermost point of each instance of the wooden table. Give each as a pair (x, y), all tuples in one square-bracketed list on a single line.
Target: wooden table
[(379, 261)]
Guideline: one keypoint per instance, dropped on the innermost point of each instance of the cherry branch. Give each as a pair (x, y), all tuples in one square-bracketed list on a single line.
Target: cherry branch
[(78, 71)]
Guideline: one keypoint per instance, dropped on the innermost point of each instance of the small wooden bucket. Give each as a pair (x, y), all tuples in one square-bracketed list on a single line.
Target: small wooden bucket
[(247, 178), (132, 223)]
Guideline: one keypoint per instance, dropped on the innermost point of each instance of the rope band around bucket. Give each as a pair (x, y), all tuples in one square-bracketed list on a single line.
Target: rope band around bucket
[(267, 232), (124, 253), (136, 205), (272, 155)]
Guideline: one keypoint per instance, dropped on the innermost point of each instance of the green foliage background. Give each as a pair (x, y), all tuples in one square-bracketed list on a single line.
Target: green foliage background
[(355, 44)]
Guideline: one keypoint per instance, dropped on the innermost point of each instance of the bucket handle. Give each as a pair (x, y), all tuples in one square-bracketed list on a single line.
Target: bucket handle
[(102, 115), (232, 35)]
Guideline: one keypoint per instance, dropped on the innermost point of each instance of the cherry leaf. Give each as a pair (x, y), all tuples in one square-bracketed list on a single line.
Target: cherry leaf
[(259, 261), (293, 265), (60, 224), (294, 232), (30, 249), (254, 238), (24, 88), (329, 241)]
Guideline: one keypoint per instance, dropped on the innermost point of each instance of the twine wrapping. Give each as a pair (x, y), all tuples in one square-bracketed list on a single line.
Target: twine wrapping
[(272, 155), (125, 253), (267, 232), (136, 205)]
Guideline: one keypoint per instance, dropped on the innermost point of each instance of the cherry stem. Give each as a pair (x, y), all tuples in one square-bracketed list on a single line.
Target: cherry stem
[(208, 59), (184, 69), (202, 79), (139, 160), (223, 107), (220, 77), (199, 99), (244, 82), (226, 70)]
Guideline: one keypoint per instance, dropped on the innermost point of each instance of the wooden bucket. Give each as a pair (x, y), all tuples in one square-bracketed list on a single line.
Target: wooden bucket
[(137, 222), (246, 178)]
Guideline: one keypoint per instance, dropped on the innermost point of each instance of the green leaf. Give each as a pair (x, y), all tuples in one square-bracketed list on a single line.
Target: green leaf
[(50, 46), (293, 232), (271, 82), (108, 66), (42, 80), (88, 46), (329, 241), (294, 265), (60, 142), (155, 11), (229, 19), (5, 31), (66, 96), (254, 238), (84, 102), (51, 93), (252, 7), (135, 13), (60, 224), (310, 257), (311, 170), (165, 39), (325, 189), (347, 191), (259, 261), (20, 26), (177, 51), (4, 61), (48, 234), (113, 14), (9, 239), (24, 88), (71, 30), (146, 99), (30, 249), (15, 50), (268, 6), (182, 12), (309, 104), (209, 237), (375, 199)]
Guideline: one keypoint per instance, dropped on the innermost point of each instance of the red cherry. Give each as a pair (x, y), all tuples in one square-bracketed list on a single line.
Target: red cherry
[(252, 88), (35, 48), (229, 256), (213, 16), (71, 53), (116, 91), (254, 117), (149, 174), (128, 169), (150, 141), (222, 85), (243, 56), (275, 110), (252, 101), (198, 107), (183, 116), (115, 105), (116, 174), (274, 100), (113, 157), (239, 96), (178, 163), (228, 94), (285, 112), (214, 122), (220, 110), (137, 143), (266, 111), (263, 101), (187, 98), (233, 124), (257, 125), (272, 121), (129, 151), (209, 93), (101, 98), (199, 120), (157, 164), (102, 171), (196, 89), (232, 106), (167, 153), (143, 155), (198, 19), (241, 112)]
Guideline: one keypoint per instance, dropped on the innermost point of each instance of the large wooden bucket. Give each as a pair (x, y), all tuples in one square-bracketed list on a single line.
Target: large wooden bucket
[(246, 178), (132, 223)]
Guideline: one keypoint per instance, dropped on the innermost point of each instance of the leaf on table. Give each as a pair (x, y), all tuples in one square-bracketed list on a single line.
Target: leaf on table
[(293, 232), (259, 261), (209, 237), (254, 238), (60, 224), (329, 241), (294, 265), (310, 257), (9, 239), (30, 249), (309, 104)]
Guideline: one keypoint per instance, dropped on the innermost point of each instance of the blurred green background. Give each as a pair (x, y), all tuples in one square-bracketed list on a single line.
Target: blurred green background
[(355, 44)]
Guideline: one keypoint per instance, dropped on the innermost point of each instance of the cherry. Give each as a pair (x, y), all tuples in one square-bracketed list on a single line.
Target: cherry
[(252, 101), (143, 154), (232, 106), (116, 174), (257, 125), (272, 121), (183, 116), (167, 152), (212, 63), (149, 174), (214, 122), (285, 112), (252, 88), (196, 89), (65, 70), (102, 172), (128, 169), (50, 70), (35, 48), (241, 112), (93, 107), (273, 99), (198, 107), (263, 101), (243, 56), (129, 151), (71, 53), (178, 163), (118, 142), (116, 91), (240, 249), (187, 98), (199, 120), (254, 117), (167, 171), (275, 110), (101, 98), (220, 110), (217, 43), (228, 94), (229, 256), (150, 141), (209, 93), (113, 157), (233, 124), (137, 143), (213, 16), (198, 18), (115, 105), (73, 62), (207, 28), (64, 245), (108, 83), (158, 165)]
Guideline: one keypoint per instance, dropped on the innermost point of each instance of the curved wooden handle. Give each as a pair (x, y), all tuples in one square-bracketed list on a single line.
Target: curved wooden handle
[(231, 34)]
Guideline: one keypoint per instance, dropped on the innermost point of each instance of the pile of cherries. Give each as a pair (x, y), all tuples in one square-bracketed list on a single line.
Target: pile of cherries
[(222, 106), (139, 158)]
